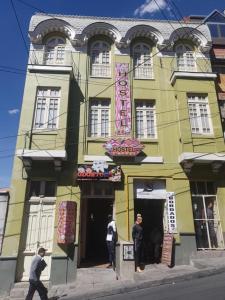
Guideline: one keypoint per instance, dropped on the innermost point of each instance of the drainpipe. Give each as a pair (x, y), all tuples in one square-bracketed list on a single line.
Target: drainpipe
[(128, 207)]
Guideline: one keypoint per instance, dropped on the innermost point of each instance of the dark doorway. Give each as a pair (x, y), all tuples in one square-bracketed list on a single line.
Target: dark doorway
[(98, 210), (152, 211)]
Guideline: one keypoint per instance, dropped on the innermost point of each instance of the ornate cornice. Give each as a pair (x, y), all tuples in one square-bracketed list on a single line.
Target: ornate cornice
[(189, 33), (51, 25)]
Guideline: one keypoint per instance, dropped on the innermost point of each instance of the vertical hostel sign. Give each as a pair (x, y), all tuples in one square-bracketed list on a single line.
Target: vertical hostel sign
[(123, 102), (66, 222)]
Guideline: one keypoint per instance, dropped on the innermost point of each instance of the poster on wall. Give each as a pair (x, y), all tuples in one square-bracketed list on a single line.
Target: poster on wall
[(123, 147), (123, 102), (171, 212), (66, 222), (167, 249), (99, 170)]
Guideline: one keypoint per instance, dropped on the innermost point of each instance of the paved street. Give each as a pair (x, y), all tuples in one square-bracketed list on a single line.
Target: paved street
[(208, 288)]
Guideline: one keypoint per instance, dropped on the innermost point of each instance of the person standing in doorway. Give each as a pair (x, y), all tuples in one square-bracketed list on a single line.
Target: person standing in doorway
[(37, 266), (156, 239), (111, 239), (137, 235), (212, 233)]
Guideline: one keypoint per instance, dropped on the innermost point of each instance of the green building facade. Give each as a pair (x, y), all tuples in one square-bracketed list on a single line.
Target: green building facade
[(145, 90)]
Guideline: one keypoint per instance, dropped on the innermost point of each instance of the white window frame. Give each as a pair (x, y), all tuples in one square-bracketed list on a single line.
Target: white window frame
[(101, 67), (186, 59), (148, 107), (95, 129), (206, 196), (199, 114), (54, 53), (142, 61), (44, 101)]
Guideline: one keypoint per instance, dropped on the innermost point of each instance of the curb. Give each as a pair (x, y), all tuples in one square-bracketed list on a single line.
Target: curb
[(135, 286)]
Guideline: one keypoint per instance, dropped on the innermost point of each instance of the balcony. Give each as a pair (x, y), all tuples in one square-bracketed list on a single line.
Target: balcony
[(101, 70), (143, 72), (190, 68), (56, 62)]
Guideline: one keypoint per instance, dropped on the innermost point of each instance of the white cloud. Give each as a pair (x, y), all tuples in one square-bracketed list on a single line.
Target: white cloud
[(150, 6), (13, 111)]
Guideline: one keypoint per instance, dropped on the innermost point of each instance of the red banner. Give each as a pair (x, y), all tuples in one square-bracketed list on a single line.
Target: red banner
[(66, 222)]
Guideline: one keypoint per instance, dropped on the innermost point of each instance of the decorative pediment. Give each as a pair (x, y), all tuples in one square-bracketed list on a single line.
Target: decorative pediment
[(98, 28), (143, 31), (51, 25), (191, 34)]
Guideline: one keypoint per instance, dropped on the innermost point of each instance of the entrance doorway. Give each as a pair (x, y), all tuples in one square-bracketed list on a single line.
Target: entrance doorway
[(152, 211), (97, 220), (96, 204)]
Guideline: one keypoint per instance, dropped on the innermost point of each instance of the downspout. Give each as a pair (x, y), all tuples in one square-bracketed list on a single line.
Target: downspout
[(128, 206)]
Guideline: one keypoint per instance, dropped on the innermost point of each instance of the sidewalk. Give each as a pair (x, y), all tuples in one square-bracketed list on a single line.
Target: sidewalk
[(97, 282)]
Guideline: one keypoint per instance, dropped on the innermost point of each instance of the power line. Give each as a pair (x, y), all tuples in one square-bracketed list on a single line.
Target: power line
[(110, 84)]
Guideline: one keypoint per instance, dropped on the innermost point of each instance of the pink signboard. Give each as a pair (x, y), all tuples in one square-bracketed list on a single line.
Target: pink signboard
[(123, 147), (66, 222), (123, 103)]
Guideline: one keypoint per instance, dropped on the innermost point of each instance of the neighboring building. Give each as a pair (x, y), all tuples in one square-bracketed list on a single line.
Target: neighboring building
[(216, 23), (143, 89), (4, 199)]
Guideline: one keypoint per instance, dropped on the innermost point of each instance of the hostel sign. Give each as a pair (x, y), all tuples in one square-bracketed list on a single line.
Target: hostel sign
[(123, 103), (171, 211), (123, 147)]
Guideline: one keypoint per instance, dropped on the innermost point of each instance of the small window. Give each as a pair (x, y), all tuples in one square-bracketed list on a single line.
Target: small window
[(214, 30), (199, 114), (42, 189), (99, 118), (142, 61), (145, 120), (100, 59), (47, 108)]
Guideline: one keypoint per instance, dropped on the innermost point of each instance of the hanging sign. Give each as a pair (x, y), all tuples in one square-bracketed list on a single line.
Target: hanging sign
[(99, 171), (123, 147), (66, 222), (167, 250), (123, 102), (171, 212)]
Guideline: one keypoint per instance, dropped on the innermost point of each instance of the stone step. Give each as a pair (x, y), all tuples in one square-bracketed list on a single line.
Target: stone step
[(208, 254)]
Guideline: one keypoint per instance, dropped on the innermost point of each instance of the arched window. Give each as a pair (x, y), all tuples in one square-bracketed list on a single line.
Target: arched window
[(100, 59), (55, 51), (142, 61), (185, 58)]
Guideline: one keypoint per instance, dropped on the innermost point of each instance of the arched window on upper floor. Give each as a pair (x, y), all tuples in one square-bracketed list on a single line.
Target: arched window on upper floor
[(55, 51), (142, 61), (185, 57), (100, 59)]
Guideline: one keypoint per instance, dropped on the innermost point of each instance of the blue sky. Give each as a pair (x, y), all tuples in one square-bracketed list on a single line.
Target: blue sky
[(13, 54)]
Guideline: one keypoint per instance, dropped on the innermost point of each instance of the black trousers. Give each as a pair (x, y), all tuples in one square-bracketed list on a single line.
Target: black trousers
[(111, 252), (137, 252), (39, 287)]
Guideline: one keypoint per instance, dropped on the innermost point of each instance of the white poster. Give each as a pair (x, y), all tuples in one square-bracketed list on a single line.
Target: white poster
[(171, 212)]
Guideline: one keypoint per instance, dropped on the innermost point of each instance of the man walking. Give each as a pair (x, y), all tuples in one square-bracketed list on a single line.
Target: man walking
[(37, 266)]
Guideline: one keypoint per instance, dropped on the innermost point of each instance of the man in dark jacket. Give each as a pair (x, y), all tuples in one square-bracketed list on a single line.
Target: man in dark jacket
[(37, 266)]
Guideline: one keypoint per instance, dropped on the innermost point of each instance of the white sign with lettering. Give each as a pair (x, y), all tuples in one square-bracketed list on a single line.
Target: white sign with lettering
[(171, 211)]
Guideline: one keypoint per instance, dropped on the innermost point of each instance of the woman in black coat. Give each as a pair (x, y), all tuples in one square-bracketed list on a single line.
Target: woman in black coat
[(137, 235)]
